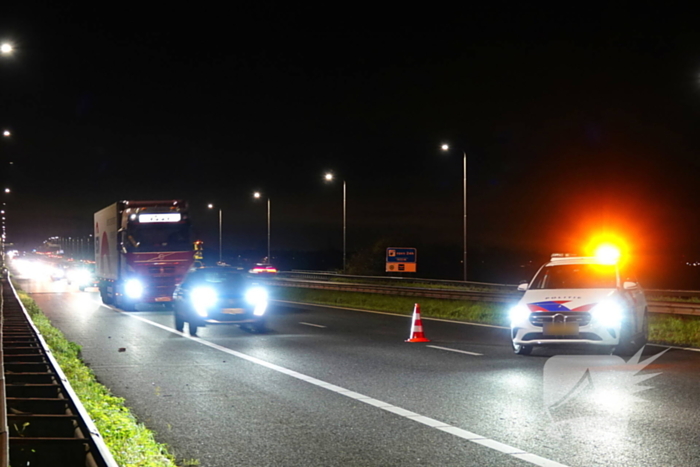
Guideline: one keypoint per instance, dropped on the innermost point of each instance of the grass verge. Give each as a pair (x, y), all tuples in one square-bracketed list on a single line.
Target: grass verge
[(476, 312), (663, 329), (131, 443)]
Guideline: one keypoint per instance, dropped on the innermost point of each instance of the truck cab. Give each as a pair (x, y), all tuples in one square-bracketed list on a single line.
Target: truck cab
[(143, 249)]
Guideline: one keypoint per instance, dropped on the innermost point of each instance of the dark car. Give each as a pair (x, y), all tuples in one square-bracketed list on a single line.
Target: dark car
[(219, 295)]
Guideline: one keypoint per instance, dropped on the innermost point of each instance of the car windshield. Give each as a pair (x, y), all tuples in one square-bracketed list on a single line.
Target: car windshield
[(159, 237), (576, 276), (224, 279)]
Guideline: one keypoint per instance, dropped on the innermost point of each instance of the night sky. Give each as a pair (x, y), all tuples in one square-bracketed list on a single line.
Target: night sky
[(575, 121)]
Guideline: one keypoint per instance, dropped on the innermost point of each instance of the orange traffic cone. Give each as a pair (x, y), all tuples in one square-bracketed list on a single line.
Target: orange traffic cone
[(417, 327)]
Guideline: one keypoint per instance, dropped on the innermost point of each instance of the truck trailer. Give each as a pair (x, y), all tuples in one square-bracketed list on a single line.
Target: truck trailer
[(142, 251)]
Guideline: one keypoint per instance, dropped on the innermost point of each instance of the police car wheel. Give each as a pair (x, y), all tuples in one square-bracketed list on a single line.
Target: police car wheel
[(520, 349)]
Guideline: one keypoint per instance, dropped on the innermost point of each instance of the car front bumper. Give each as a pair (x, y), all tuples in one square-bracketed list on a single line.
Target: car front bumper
[(525, 333)]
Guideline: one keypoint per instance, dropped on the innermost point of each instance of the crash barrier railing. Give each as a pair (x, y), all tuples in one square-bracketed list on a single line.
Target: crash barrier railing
[(502, 293), (330, 276), (4, 435), (47, 424)]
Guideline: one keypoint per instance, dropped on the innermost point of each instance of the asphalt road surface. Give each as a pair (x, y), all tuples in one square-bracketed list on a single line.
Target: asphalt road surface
[(330, 387)]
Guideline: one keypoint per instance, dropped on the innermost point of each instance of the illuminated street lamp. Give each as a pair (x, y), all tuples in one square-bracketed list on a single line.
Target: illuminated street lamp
[(329, 178), (6, 48), (446, 147), (6, 133), (257, 195), (211, 206)]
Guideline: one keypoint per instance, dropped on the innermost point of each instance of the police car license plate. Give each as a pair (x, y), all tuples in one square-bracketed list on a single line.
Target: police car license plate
[(560, 329), (233, 311)]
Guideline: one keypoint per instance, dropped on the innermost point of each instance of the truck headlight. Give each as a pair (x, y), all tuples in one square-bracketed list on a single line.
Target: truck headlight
[(609, 313), (203, 298), (519, 313), (133, 288)]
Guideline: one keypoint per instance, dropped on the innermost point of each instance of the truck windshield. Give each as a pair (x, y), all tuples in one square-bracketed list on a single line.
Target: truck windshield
[(158, 237), (576, 276)]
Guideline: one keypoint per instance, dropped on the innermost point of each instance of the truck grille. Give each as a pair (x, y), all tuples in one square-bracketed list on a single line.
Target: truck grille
[(159, 270)]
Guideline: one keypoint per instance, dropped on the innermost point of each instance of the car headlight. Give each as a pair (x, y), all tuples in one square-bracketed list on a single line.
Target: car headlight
[(80, 277), (257, 296), (133, 288), (203, 298), (519, 313), (609, 313)]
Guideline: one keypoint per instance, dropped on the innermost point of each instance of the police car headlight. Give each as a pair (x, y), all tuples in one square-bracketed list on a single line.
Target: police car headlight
[(133, 288), (519, 313), (203, 298), (609, 313)]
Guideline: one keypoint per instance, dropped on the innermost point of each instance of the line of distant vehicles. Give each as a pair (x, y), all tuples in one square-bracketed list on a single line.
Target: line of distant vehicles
[(144, 254)]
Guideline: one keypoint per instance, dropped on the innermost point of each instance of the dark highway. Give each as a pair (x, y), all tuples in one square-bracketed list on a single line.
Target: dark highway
[(341, 387)]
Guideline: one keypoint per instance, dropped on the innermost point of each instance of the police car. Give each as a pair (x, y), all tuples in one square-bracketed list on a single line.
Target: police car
[(580, 300)]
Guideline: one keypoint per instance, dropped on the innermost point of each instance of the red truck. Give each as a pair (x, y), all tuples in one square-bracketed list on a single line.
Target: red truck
[(142, 251)]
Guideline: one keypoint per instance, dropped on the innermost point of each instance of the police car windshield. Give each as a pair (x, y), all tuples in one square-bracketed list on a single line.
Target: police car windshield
[(576, 276)]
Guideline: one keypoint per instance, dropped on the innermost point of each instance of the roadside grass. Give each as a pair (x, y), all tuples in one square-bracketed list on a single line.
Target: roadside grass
[(663, 329), (131, 443), (477, 312), (678, 330)]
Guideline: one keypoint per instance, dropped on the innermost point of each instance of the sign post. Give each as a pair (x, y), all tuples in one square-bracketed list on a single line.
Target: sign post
[(401, 259)]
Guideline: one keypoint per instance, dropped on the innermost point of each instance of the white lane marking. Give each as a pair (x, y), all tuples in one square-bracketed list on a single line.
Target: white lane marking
[(430, 422), (673, 347), (396, 314), (455, 350), (311, 324)]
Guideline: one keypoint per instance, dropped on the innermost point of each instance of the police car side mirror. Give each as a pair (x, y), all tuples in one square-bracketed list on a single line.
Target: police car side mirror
[(523, 287), (629, 285)]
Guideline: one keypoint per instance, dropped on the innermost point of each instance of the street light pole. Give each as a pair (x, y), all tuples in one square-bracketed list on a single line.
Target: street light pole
[(211, 206), (329, 178), (446, 147), (344, 223), (257, 195)]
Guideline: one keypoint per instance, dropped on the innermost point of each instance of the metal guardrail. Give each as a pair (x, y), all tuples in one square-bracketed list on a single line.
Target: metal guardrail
[(47, 424), (329, 276), (298, 279)]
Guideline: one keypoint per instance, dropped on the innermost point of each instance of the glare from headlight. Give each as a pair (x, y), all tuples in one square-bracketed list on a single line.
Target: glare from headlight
[(80, 276), (609, 313), (256, 295), (519, 313), (203, 298), (133, 288)]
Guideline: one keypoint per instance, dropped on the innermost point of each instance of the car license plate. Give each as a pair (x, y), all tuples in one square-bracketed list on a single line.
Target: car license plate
[(560, 329), (163, 299), (233, 311)]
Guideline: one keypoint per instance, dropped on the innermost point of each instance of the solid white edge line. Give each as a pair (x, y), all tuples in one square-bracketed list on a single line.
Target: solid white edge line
[(466, 323), (311, 324), (407, 414), (455, 350)]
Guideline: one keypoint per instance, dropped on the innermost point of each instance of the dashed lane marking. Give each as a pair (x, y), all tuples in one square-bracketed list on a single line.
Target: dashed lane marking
[(312, 324), (455, 350)]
